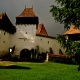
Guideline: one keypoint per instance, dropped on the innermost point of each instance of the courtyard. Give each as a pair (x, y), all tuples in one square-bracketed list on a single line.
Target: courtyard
[(38, 71)]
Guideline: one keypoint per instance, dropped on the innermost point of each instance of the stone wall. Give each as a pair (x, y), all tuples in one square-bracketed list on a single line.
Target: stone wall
[(4, 43), (24, 38), (48, 44)]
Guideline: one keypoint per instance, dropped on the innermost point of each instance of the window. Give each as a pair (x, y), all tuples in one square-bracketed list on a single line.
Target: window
[(51, 50), (25, 32), (36, 26), (0, 32), (4, 33), (3, 41), (60, 51)]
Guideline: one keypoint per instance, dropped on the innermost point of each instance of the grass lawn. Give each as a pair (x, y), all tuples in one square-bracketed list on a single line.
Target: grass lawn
[(38, 71)]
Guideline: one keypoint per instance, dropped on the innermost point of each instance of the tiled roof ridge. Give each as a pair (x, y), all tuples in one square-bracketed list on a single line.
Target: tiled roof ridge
[(41, 27), (41, 30), (44, 28), (27, 12), (72, 30), (6, 24), (0, 16)]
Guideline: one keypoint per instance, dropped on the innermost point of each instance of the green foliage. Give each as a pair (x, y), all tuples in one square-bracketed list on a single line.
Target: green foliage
[(40, 71), (72, 47), (65, 43), (68, 13), (62, 40), (76, 46)]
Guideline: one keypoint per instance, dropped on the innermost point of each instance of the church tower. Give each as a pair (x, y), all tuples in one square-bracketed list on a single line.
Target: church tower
[(27, 23), (27, 17)]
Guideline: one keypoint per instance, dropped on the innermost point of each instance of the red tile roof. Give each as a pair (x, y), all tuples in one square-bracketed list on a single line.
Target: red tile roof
[(58, 55), (6, 22), (41, 30), (0, 16), (72, 30), (27, 12)]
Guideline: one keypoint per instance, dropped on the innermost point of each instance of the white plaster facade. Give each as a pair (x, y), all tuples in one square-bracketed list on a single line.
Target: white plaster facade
[(24, 38), (4, 43), (45, 43)]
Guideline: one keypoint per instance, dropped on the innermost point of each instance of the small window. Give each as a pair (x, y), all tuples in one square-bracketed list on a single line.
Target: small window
[(41, 39), (60, 51), (25, 32), (3, 41), (0, 32), (48, 42), (51, 50), (36, 26), (4, 33)]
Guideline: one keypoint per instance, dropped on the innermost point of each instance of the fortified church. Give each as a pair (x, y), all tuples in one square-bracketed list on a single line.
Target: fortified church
[(28, 35)]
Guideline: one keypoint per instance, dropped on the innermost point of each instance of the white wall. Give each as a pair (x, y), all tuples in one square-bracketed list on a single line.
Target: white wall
[(4, 43), (23, 38), (45, 43)]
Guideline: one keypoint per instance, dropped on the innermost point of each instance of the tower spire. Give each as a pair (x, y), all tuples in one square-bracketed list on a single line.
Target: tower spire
[(32, 6), (25, 6), (5, 11)]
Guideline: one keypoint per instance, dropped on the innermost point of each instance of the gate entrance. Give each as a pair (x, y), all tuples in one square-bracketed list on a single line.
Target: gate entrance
[(25, 53)]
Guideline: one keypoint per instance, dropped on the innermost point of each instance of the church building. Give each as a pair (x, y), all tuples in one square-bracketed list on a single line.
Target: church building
[(27, 35)]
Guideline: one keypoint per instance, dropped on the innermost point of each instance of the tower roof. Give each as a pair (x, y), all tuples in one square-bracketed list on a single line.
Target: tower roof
[(72, 30), (6, 24), (27, 12), (41, 30)]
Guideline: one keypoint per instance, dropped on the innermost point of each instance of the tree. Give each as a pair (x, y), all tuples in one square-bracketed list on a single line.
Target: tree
[(68, 13), (72, 47)]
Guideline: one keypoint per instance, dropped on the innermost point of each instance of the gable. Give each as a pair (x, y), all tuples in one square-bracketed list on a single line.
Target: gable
[(72, 30), (27, 17), (27, 12), (41, 30), (6, 25), (0, 16)]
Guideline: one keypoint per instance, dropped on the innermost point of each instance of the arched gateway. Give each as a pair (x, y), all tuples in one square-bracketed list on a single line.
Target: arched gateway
[(25, 53)]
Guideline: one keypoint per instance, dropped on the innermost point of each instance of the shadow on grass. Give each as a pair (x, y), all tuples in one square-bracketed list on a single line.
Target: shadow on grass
[(14, 67), (28, 60)]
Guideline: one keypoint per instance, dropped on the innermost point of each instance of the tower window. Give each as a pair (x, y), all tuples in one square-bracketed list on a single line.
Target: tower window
[(51, 50), (3, 41), (4, 33), (36, 26), (25, 32), (41, 39)]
